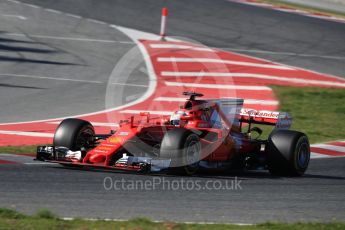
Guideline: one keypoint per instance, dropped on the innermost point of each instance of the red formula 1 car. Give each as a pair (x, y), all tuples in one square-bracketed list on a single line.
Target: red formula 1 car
[(213, 133)]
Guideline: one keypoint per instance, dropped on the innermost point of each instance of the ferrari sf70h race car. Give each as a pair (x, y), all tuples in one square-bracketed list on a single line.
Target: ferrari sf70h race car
[(212, 133)]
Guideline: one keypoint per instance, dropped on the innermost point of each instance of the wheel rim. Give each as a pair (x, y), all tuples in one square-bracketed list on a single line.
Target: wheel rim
[(84, 138), (303, 155), (192, 153)]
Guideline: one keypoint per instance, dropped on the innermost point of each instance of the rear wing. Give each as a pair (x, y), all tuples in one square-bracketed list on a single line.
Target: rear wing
[(281, 120)]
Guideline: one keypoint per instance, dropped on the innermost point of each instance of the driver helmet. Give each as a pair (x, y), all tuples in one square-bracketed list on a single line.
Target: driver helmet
[(175, 118)]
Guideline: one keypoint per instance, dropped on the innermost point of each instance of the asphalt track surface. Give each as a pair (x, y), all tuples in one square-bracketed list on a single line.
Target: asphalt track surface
[(225, 24), (283, 37), (318, 196), (55, 65), (291, 39)]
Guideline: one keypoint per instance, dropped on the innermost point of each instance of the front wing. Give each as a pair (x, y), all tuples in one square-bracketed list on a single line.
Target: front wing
[(126, 163)]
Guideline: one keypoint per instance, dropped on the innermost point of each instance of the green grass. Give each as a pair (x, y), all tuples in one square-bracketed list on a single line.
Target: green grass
[(10, 219), (304, 7), (45, 214), (18, 149), (320, 113)]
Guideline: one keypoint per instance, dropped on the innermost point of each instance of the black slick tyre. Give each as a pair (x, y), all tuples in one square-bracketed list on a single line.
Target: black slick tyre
[(74, 134), (183, 147), (288, 153)]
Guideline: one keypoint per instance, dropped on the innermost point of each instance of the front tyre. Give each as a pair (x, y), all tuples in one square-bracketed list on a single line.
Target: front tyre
[(74, 134), (288, 153), (183, 147)]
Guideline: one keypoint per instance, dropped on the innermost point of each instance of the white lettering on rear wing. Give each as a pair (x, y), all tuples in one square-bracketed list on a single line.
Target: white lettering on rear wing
[(281, 120)]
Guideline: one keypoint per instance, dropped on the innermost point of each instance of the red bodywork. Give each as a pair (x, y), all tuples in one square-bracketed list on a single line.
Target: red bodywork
[(219, 129)]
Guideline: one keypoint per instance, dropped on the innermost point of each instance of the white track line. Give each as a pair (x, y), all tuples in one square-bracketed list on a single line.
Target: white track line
[(280, 53), (134, 35), (66, 79), (226, 62), (327, 17), (330, 147), (96, 21), (170, 99), (154, 112), (14, 1), (73, 16), (246, 101), (49, 78), (318, 155), (314, 155), (214, 86), (30, 134), (279, 63), (260, 102), (256, 3), (251, 75), (101, 124), (30, 5), (68, 38), (53, 11), (184, 47), (14, 16), (156, 221), (104, 124), (293, 11), (134, 85)]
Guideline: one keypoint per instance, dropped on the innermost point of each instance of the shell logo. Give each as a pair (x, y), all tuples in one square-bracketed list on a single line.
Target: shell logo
[(104, 148), (114, 139)]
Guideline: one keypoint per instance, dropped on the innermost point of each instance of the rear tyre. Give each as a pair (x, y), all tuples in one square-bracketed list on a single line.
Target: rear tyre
[(288, 153), (74, 134), (183, 148)]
